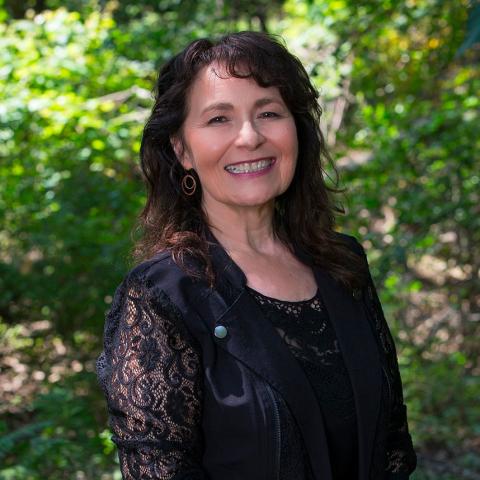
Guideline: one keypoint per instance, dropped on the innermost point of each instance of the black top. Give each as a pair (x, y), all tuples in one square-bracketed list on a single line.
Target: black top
[(308, 333), (153, 374)]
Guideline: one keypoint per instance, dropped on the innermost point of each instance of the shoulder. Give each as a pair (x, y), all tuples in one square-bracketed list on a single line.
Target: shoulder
[(160, 281), (157, 271), (138, 285), (144, 307), (351, 242), (159, 261), (158, 288)]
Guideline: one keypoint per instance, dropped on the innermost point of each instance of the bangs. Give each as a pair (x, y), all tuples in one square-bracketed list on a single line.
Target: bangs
[(244, 57)]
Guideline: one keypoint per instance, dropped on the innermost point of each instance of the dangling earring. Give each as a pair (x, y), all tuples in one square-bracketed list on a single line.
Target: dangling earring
[(189, 184)]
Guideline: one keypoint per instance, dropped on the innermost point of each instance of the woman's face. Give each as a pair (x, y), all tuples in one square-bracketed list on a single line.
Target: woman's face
[(240, 138)]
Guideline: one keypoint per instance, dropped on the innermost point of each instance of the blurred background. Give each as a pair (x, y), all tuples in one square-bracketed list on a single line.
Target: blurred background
[(399, 84)]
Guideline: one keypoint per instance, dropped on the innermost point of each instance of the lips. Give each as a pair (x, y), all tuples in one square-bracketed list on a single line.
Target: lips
[(251, 166)]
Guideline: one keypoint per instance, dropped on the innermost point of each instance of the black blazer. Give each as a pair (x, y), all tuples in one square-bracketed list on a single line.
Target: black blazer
[(246, 372)]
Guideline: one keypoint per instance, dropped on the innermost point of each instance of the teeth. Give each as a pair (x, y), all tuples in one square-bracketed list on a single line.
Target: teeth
[(249, 167)]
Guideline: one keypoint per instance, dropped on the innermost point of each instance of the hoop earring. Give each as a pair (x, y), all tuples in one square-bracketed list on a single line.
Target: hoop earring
[(189, 185)]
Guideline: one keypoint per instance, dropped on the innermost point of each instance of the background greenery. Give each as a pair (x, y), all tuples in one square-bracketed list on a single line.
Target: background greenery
[(399, 82)]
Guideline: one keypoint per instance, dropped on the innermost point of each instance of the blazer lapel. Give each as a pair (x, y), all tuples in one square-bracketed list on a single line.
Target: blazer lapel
[(253, 340), (360, 354)]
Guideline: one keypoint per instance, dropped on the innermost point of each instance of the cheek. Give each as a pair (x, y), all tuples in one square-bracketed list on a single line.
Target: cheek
[(289, 142), (207, 149)]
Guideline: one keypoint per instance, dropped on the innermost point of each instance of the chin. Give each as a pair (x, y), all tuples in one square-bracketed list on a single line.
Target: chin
[(254, 200)]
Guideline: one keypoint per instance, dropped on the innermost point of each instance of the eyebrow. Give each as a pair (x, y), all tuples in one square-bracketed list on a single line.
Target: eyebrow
[(224, 106)]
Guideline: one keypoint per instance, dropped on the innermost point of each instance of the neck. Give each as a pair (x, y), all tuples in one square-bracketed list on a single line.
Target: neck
[(243, 229)]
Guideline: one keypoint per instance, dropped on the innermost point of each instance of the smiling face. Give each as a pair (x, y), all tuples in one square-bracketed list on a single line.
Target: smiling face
[(240, 138)]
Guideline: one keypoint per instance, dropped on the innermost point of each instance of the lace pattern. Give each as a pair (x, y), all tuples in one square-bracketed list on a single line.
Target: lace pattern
[(306, 329), (312, 340), (150, 372), (400, 456)]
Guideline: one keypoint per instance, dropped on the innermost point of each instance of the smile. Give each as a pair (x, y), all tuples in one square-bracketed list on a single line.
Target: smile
[(250, 167)]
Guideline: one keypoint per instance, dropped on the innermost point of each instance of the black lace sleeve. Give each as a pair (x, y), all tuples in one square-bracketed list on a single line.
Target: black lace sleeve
[(150, 374), (401, 458)]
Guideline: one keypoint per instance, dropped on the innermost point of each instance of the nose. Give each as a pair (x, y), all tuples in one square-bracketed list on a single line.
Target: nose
[(249, 136)]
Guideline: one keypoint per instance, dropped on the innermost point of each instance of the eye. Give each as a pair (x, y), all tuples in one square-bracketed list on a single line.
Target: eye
[(269, 115), (217, 119)]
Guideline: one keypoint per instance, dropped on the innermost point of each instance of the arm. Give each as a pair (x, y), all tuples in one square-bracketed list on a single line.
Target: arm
[(150, 373), (401, 458)]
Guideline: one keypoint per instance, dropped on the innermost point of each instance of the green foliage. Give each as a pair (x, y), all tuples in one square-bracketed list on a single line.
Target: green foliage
[(67, 164), (62, 435), (401, 109), (434, 407)]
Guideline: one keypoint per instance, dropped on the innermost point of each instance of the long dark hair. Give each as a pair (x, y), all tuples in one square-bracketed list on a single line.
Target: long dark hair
[(304, 213)]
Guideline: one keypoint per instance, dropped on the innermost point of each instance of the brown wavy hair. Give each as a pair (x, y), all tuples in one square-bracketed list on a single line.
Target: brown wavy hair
[(304, 214)]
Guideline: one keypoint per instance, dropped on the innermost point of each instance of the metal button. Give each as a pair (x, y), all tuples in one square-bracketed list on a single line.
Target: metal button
[(357, 294), (220, 331)]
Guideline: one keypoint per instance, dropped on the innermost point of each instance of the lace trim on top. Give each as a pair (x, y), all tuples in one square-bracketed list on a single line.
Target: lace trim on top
[(307, 331), (290, 307), (305, 327)]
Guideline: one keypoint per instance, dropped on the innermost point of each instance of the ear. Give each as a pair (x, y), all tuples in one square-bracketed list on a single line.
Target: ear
[(181, 152)]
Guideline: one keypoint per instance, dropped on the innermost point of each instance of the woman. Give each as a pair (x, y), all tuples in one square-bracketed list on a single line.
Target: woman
[(250, 342)]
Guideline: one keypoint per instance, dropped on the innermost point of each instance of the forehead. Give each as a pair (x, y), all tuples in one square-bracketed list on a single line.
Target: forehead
[(214, 84)]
